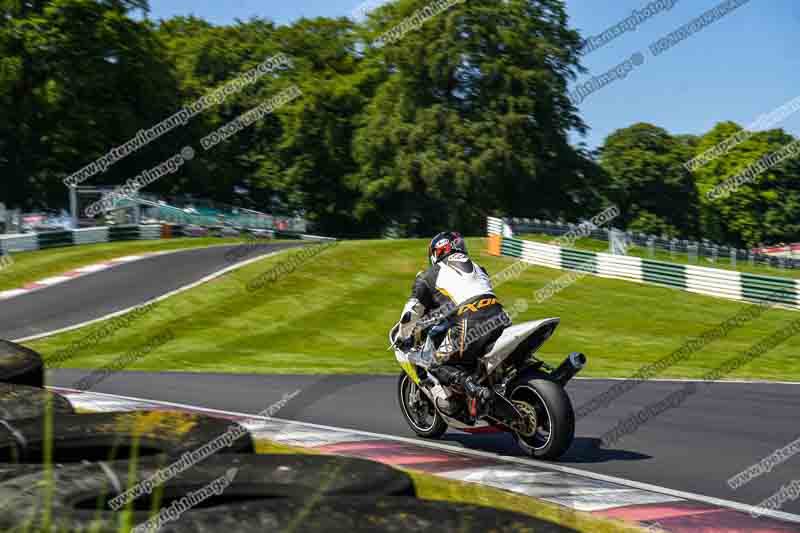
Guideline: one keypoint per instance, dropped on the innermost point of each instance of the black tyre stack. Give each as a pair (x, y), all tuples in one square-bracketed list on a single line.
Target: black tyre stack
[(96, 457)]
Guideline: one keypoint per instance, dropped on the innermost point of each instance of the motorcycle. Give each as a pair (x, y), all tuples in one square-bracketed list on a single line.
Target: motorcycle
[(529, 399)]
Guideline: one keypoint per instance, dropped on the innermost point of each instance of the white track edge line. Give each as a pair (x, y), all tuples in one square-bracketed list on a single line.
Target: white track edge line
[(742, 507), (691, 380), (145, 255), (179, 290)]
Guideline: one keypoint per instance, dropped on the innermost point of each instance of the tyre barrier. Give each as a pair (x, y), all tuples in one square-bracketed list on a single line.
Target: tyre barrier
[(110, 436), (260, 496), (22, 401), (20, 365), (273, 476)]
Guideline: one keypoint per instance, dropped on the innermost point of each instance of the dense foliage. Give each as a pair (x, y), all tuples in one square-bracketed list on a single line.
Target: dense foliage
[(464, 116)]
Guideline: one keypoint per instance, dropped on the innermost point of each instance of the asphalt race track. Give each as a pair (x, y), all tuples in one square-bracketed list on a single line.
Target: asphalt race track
[(696, 447), (124, 286)]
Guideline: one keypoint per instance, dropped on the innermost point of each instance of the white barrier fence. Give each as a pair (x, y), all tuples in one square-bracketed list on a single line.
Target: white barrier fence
[(716, 282)]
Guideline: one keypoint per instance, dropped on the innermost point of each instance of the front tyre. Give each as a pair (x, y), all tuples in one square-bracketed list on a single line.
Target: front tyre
[(418, 410), (549, 426)]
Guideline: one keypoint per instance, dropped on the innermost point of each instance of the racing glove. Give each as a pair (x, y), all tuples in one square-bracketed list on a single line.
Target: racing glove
[(412, 312)]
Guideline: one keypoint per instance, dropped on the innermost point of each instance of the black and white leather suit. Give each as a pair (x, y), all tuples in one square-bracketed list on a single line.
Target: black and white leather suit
[(454, 302)]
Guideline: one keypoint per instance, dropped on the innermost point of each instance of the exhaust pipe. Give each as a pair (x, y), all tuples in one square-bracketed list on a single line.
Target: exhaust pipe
[(567, 370)]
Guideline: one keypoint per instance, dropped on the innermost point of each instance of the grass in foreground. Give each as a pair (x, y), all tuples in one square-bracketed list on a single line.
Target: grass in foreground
[(332, 315), (33, 266), (596, 245)]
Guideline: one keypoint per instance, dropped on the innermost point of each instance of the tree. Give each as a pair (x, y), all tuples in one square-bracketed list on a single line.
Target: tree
[(766, 210), (647, 180), (473, 118)]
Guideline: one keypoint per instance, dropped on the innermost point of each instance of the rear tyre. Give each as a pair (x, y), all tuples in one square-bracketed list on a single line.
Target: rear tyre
[(550, 420), (418, 409)]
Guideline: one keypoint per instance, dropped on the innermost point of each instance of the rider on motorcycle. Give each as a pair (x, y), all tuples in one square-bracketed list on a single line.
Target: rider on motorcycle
[(450, 302)]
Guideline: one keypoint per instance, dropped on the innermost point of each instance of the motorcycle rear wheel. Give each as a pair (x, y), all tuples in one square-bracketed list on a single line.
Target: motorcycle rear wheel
[(551, 427), (419, 413)]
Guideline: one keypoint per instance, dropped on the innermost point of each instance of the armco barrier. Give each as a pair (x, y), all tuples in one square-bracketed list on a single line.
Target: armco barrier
[(27, 242), (55, 239), (90, 235), (19, 243), (704, 280)]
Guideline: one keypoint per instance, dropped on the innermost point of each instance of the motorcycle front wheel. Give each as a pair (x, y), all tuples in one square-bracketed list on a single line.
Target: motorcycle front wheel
[(549, 426), (418, 409)]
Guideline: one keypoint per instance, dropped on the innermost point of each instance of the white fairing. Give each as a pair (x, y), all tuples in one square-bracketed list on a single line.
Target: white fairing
[(513, 336), (463, 285)]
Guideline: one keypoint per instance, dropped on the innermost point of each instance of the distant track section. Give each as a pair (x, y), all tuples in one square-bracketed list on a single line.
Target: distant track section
[(109, 291)]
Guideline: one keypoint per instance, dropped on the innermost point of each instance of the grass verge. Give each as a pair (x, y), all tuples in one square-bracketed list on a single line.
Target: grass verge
[(28, 267), (331, 314)]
